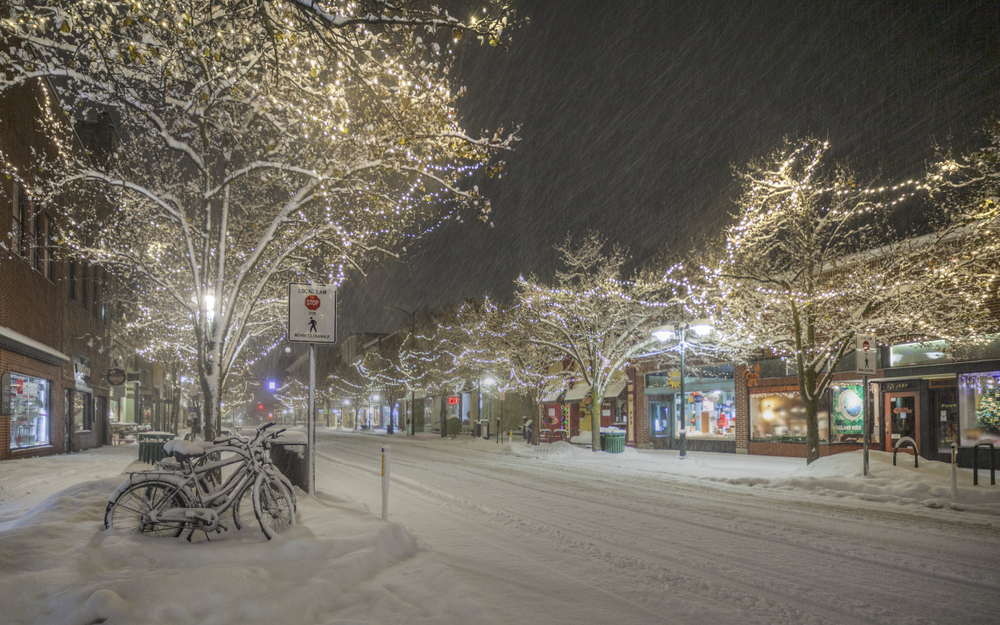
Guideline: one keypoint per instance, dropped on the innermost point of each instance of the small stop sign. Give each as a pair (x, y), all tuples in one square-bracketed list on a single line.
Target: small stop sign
[(312, 302), (865, 346)]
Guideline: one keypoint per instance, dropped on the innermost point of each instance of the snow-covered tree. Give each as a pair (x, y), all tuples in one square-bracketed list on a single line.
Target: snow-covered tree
[(381, 367), (347, 383), (968, 188), (500, 343), (592, 314), (812, 261), (260, 143)]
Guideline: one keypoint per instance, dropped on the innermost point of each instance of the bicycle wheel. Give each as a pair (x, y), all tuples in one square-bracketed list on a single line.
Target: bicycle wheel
[(129, 507), (243, 513), (272, 504)]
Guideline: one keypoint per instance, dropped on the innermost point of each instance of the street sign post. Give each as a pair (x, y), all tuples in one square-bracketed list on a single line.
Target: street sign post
[(312, 318), (866, 363)]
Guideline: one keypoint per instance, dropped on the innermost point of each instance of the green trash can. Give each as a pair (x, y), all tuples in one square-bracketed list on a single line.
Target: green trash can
[(613, 442), (151, 447)]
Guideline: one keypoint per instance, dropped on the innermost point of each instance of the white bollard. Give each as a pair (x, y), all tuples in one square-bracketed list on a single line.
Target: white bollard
[(954, 471), (385, 483)]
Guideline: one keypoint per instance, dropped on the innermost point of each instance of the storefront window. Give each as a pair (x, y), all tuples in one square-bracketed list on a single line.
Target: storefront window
[(29, 411), (83, 411), (779, 416), (979, 406), (710, 414)]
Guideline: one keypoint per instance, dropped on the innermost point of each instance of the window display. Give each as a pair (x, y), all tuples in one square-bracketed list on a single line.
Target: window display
[(710, 414), (979, 406), (29, 414), (778, 415)]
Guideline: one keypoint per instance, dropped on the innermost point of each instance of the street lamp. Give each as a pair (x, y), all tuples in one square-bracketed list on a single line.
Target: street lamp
[(701, 327), (480, 382)]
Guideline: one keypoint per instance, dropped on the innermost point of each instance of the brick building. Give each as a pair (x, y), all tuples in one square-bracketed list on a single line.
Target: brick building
[(54, 345)]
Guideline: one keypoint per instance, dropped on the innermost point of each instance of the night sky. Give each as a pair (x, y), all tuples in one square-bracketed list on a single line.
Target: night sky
[(633, 114)]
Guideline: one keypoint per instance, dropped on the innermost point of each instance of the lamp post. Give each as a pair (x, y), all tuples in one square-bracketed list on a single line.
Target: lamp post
[(489, 381), (701, 327)]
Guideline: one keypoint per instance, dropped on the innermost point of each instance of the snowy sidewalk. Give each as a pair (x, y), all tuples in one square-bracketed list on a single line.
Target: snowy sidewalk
[(339, 563)]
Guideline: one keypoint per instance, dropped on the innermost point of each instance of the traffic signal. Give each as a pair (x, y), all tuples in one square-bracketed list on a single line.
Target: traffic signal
[(260, 407), (272, 385)]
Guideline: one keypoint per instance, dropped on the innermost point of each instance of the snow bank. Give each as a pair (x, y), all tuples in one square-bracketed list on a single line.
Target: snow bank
[(292, 437), (339, 564)]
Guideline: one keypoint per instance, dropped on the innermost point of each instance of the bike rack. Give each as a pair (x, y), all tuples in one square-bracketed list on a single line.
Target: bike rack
[(975, 462), (916, 452)]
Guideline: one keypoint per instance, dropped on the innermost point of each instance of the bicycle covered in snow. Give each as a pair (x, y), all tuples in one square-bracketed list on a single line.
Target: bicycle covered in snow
[(176, 502)]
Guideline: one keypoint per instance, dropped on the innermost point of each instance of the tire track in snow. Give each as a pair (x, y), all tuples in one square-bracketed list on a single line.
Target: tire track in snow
[(730, 557)]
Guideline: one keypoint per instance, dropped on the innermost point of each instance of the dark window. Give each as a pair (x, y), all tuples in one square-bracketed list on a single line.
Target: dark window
[(84, 286), (47, 233), (17, 227), (97, 296), (40, 244), (72, 280), (104, 296)]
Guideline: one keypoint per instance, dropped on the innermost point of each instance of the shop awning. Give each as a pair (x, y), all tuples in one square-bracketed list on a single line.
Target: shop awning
[(582, 389), (20, 344), (551, 393)]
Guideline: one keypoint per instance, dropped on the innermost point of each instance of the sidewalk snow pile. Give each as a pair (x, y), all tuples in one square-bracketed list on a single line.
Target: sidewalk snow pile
[(27, 481), (836, 476), (339, 564)]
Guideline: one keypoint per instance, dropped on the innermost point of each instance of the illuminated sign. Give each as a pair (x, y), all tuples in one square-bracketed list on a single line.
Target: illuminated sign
[(452, 401)]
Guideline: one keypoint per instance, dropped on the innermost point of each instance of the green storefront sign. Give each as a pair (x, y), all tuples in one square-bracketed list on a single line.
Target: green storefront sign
[(848, 409)]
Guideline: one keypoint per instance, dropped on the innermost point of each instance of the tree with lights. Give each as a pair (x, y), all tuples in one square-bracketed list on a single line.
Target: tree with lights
[(812, 261), (261, 143), (348, 384), (499, 342), (592, 314), (968, 188), (381, 367)]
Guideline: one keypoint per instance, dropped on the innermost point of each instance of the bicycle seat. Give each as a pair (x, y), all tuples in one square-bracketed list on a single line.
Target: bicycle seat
[(182, 451)]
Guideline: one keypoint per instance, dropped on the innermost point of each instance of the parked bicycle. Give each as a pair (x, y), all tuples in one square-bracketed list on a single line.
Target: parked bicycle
[(193, 497)]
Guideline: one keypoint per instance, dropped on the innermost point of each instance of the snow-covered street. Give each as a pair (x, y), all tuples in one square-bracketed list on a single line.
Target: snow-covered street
[(482, 532)]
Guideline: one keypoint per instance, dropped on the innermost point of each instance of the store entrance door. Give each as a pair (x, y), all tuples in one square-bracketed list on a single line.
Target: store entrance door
[(902, 418)]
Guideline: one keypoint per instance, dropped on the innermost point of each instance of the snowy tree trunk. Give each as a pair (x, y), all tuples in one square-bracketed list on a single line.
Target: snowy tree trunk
[(595, 419), (536, 428)]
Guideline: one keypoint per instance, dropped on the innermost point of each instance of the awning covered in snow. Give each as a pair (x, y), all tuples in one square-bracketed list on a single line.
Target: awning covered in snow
[(582, 389)]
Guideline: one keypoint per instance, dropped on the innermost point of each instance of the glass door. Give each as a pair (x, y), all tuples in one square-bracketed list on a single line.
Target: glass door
[(660, 417), (902, 418)]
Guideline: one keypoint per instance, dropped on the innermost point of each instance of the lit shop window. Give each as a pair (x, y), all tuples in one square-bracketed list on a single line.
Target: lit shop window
[(979, 406), (780, 417), (29, 411), (709, 414)]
